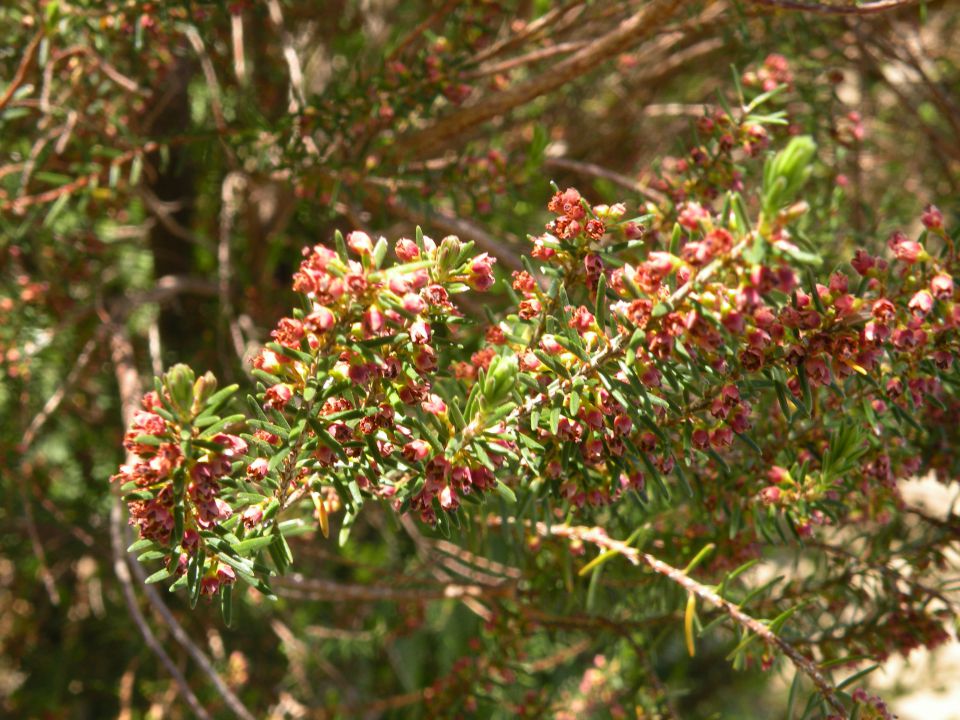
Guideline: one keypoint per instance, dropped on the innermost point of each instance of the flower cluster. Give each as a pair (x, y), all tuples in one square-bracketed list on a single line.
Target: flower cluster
[(173, 484)]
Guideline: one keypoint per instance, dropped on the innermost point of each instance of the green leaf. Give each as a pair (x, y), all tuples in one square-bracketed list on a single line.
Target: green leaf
[(506, 493), (245, 547), (142, 544), (660, 309), (278, 458), (226, 604), (159, 575)]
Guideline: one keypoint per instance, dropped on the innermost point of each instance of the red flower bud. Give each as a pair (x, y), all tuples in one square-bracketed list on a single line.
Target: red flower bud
[(406, 250), (360, 242), (416, 450)]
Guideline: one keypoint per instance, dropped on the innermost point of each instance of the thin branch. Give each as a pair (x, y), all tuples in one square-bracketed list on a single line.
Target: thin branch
[(529, 58), (598, 537), (297, 94), (420, 29), (529, 30), (868, 8), (596, 171), (53, 402), (236, 38), (230, 192), (300, 587), (21, 72), (641, 25), (123, 574), (210, 75), (213, 85)]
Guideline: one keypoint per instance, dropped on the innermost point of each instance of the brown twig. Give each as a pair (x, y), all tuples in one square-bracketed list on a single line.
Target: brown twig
[(877, 6), (297, 94), (230, 193), (126, 584), (637, 27), (298, 586), (596, 171), (534, 56), (529, 30), (421, 28), (598, 537), (22, 68)]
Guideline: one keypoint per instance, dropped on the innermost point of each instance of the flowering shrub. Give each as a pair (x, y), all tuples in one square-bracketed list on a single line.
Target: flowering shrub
[(697, 361), (549, 475)]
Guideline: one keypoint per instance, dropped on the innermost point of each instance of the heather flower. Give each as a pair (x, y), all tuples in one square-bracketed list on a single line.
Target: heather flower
[(278, 396), (905, 250), (941, 285), (921, 303), (360, 242), (420, 332), (434, 405), (932, 218)]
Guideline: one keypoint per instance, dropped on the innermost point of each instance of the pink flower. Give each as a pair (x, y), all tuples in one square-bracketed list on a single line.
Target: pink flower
[(406, 250), (700, 439), (434, 405), (373, 320), (320, 320), (278, 396), (420, 332), (550, 345), (252, 516), (941, 285), (932, 218), (566, 203), (360, 242), (448, 498), (722, 437), (225, 574), (529, 309), (905, 250), (582, 319), (818, 372), (691, 214), (416, 450), (233, 446), (778, 475), (413, 303), (921, 303), (209, 585), (425, 359), (770, 495), (481, 272)]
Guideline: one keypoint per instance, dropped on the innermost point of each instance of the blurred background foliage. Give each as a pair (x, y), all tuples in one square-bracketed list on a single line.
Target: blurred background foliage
[(162, 164)]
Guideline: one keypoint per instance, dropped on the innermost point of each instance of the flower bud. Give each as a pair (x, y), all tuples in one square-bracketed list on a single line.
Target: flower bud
[(179, 383), (406, 250), (448, 254), (941, 285), (360, 242), (203, 388)]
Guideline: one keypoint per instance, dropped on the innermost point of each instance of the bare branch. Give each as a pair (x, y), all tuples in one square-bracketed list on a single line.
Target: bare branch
[(639, 26), (22, 68), (598, 536), (592, 170), (866, 8), (298, 586), (123, 574)]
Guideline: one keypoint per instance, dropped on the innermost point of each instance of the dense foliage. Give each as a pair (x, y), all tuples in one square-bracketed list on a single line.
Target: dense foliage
[(651, 454)]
